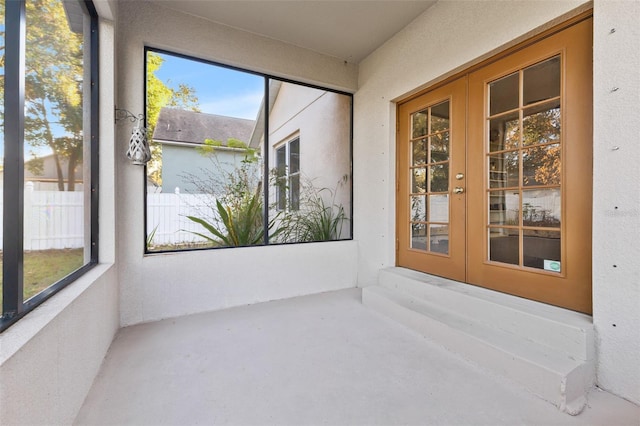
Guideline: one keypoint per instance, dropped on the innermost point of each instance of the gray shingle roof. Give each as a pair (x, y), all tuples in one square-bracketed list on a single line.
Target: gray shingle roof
[(176, 125)]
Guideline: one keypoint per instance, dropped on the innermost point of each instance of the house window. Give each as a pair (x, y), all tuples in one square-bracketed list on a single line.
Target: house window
[(225, 168), (48, 135), (288, 179)]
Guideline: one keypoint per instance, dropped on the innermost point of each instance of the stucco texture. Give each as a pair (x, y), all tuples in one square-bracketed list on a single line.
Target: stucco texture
[(616, 201), (450, 37)]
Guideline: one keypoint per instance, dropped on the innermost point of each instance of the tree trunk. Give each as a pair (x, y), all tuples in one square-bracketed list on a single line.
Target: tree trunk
[(59, 172), (71, 171)]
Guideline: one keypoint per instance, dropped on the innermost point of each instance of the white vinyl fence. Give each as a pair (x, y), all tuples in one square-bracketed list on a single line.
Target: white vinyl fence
[(52, 219), (55, 219), (167, 217)]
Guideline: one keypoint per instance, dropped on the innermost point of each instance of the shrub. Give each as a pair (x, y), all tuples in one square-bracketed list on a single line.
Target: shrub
[(317, 219)]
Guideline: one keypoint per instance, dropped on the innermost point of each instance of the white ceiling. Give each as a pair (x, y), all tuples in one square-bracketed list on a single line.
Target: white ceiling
[(346, 29)]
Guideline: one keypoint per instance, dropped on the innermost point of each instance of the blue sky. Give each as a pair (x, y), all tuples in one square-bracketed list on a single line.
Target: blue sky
[(220, 90)]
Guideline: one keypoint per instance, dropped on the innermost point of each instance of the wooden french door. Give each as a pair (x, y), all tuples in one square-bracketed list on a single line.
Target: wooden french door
[(431, 148), (494, 174)]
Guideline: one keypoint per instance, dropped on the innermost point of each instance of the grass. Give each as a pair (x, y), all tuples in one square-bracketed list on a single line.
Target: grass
[(45, 267)]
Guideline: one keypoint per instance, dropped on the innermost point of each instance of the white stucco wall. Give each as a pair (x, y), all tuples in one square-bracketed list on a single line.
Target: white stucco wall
[(49, 358), (616, 201), (453, 35), (322, 121), (161, 286)]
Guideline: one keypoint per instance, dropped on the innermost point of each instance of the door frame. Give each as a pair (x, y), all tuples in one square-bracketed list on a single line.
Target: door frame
[(578, 160)]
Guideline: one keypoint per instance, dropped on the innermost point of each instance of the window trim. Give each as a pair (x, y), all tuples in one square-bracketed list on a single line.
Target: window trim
[(265, 144), (288, 175), (13, 306)]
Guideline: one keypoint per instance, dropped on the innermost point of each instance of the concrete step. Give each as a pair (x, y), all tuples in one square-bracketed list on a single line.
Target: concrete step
[(560, 329), (548, 350)]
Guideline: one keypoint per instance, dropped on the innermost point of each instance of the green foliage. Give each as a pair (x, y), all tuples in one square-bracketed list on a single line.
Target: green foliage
[(53, 84), (210, 146), (317, 219), (236, 143), (235, 212), (159, 95), (151, 236), (237, 225), (35, 166)]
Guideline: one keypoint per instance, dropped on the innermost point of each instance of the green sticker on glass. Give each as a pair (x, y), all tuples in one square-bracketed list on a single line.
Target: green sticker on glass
[(552, 265)]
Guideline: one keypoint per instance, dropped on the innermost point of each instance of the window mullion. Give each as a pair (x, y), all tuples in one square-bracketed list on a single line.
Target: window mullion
[(265, 167), (13, 220), (289, 179), (94, 129)]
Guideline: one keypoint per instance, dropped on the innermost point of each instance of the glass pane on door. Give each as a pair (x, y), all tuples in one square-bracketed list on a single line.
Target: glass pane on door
[(541, 250), (524, 163), (504, 94), (504, 245), (429, 197)]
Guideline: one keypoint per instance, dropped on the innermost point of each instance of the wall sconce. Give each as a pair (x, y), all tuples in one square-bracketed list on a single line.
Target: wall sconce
[(138, 152)]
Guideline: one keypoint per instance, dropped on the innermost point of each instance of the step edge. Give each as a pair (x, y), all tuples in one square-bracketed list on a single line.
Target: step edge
[(514, 344), (559, 327), (552, 393), (576, 319)]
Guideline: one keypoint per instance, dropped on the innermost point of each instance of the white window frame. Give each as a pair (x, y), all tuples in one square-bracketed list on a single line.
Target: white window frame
[(288, 179)]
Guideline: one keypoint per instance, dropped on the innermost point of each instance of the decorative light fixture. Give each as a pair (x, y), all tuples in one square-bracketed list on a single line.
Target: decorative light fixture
[(138, 152)]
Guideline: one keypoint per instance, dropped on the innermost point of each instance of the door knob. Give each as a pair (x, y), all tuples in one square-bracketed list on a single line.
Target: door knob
[(460, 176), (458, 190)]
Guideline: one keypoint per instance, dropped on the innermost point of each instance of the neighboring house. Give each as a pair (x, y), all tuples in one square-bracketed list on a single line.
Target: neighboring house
[(43, 173), (309, 146), (182, 135)]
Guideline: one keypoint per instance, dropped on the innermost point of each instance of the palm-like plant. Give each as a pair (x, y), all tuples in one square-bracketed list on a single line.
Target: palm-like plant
[(317, 219), (235, 225), (234, 214)]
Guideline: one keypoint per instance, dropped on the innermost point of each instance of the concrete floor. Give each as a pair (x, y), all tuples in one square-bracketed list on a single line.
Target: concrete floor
[(315, 360)]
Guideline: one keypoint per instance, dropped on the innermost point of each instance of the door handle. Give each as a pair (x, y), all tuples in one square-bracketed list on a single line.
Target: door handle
[(458, 190)]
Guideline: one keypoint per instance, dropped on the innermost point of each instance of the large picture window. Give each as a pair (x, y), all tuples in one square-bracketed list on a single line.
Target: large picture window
[(48, 143), (243, 159)]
